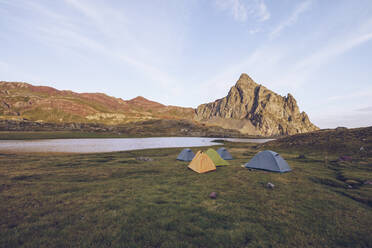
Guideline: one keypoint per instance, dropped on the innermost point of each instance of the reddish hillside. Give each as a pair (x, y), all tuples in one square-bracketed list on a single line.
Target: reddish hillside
[(46, 104)]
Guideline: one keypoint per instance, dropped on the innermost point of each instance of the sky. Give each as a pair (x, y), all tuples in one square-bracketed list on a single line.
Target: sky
[(189, 52)]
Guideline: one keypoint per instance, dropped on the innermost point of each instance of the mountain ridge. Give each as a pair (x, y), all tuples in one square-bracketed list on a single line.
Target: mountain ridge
[(20, 101), (249, 107)]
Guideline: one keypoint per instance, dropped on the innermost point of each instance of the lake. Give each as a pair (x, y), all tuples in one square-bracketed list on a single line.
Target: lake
[(110, 145)]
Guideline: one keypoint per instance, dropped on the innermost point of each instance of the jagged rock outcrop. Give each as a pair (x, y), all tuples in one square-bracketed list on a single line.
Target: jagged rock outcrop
[(253, 109)]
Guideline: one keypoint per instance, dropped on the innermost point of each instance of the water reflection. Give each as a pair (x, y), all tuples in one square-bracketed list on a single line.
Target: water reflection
[(110, 145)]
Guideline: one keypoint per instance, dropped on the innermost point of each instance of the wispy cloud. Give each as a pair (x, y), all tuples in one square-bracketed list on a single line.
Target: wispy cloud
[(255, 30), (243, 10), (262, 11), (72, 37), (86, 9), (310, 64), (365, 109), (366, 93), (292, 19)]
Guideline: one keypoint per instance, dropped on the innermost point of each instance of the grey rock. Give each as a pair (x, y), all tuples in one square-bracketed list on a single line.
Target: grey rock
[(270, 185), (146, 159), (253, 109), (213, 195)]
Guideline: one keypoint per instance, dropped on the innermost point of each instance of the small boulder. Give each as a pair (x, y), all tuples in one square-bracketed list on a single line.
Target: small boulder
[(146, 159), (213, 195), (270, 185)]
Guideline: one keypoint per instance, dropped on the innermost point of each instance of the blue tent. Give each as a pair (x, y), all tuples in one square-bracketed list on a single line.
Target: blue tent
[(186, 155), (268, 160), (224, 153)]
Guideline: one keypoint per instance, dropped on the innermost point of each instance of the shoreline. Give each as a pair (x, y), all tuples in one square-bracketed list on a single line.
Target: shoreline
[(36, 135)]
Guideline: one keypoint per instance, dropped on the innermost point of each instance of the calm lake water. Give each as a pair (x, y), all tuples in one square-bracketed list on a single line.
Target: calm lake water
[(110, 145)]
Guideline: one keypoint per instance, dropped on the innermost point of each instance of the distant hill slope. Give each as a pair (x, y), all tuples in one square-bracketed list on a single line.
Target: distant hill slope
[(347, 141), (20, 101), (254, 109)]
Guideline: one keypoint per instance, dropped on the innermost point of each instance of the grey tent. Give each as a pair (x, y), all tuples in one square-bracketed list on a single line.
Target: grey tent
[(268, 160), (186, 155), (224, 153)]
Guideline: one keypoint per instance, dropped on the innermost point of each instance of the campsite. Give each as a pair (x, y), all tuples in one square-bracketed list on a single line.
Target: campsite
[(115, 200), (185, 124)]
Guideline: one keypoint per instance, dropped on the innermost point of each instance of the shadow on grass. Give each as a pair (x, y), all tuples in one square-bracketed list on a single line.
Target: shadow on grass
[(69, 164), (329, 182), (26, 177), (130, 161), (357, 197)]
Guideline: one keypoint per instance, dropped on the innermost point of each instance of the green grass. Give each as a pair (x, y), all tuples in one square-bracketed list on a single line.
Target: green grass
[(52, 115), (114, 200)]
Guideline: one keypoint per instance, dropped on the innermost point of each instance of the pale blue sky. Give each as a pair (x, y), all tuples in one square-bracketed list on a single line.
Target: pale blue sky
[(188, 52)]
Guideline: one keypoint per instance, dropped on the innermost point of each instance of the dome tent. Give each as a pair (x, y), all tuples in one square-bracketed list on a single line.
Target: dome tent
[(186, 155), (268, 160), (202, 163), (216, 158), (224, 153)]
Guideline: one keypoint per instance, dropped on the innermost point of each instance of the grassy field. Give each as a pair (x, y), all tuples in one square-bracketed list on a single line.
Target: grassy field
[(115, 200)]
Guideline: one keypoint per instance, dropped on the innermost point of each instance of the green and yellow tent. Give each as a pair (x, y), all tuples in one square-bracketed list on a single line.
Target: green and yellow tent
[(216, 158)]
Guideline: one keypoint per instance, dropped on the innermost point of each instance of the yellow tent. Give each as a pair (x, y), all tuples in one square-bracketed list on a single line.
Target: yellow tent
[(202, 163)]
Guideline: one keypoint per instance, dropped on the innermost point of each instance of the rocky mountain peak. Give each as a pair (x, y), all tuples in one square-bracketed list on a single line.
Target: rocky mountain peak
[(244, 77), (245, 81), (252, 108)]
